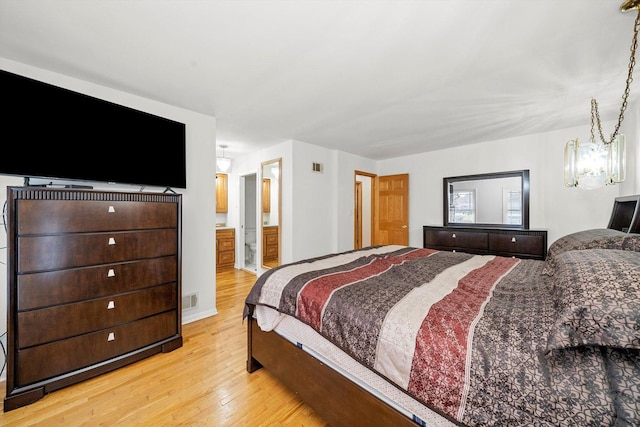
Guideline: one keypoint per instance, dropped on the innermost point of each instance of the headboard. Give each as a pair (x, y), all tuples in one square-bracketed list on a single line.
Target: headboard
[(625, 215)]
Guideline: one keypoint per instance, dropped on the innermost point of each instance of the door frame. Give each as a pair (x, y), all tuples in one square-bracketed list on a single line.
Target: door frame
[(242, 220), (357, 207)]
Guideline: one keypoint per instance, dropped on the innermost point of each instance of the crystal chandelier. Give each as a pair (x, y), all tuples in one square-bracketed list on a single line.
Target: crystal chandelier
[(598, 163), (223, 163)]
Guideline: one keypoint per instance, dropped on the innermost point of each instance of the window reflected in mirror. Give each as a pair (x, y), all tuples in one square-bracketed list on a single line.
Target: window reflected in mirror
[(462, 207)]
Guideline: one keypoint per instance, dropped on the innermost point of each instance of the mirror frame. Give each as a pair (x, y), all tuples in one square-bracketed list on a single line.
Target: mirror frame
[(277, 161), (524, 176)]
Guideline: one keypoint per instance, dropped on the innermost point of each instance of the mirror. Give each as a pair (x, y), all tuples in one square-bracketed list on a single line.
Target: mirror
[(499, 200), (271, 206)]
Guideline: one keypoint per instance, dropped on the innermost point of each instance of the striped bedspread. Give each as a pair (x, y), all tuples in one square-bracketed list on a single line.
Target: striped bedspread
[(429, 322)]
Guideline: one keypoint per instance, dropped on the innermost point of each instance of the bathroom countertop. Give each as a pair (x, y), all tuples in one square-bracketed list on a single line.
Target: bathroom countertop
[(225, 228)]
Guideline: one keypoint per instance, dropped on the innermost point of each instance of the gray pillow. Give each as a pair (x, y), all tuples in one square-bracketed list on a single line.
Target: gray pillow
[(599, 238), (597, 297)]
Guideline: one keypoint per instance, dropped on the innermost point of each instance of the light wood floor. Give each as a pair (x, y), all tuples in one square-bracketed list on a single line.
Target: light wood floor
[(203, 383)]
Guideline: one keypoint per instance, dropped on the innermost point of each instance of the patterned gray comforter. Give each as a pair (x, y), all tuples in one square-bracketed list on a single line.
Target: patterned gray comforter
[(467, 335)]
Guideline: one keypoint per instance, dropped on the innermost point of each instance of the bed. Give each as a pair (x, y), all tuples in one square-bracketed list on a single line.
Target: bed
[(396, 335)]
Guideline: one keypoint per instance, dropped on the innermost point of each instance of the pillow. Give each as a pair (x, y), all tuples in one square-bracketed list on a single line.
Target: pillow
[(597, 298), (631, 243), (599, 238)]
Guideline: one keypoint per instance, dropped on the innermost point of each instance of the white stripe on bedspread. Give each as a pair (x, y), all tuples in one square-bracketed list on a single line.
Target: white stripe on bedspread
[(271, 294), (397, 341), (313, 343)]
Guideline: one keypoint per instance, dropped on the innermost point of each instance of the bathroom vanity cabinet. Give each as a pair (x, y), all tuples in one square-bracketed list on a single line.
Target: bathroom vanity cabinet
[(225, 248)]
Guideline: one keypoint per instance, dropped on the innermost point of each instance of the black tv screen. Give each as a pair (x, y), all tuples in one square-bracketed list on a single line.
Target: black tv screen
[(56, 133)]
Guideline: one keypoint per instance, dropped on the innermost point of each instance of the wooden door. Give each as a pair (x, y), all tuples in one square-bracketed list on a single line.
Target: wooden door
[(392, 206)]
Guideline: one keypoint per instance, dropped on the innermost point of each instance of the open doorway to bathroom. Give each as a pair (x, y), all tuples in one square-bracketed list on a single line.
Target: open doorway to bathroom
[(249, 222)]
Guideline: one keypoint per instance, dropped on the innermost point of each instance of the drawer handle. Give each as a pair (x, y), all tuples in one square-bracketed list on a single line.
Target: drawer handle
[(112, 241), (453, 235), (111, 337), (111, 305), (111, 209), (513, 240), (111, 273)]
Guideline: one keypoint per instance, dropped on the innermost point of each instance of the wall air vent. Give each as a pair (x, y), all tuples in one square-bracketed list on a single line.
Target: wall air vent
[(189, 301), (316, 167)]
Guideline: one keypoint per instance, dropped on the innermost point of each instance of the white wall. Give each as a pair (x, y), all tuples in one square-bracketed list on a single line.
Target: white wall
[(314, 204), (346, 166), (198, 200), (554, 207), (318, 208)]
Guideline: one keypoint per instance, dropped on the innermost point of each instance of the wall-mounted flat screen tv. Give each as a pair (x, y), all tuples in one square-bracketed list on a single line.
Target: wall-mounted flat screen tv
[(55, 133)]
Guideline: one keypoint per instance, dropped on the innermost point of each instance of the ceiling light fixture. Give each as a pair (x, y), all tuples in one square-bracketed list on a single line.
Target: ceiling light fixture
[(223, 163), (598, 163)]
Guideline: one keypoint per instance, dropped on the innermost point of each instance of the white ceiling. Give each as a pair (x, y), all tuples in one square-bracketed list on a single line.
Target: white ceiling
[(379, 79)]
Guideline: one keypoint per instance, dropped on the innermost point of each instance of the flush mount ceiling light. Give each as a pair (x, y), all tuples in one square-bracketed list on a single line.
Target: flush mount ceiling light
[(598, 163), (223, 163)]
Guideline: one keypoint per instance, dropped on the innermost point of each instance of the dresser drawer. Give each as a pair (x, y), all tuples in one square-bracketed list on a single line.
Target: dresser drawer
[(36, 290), (517, 245), (456, 239), (39, 253), (63, 321), (60, 357), (80, 216)]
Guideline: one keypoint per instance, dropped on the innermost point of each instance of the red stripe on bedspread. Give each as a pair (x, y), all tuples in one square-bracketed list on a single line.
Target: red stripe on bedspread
[(315, 293), (438, 368)]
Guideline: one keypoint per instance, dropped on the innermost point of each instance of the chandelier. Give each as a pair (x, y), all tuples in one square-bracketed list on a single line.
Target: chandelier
[(223, 163), (602, 162)]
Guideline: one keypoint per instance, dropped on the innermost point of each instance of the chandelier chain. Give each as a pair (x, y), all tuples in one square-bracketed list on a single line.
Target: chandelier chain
[(595, 114)]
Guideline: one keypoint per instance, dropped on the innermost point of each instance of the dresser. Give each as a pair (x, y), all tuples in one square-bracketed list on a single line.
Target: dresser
[(225, 248), (94, 284), (495, 241)]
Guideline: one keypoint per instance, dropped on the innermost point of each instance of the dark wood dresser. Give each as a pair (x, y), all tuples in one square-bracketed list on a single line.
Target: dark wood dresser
[(94, 284), (495, 241)]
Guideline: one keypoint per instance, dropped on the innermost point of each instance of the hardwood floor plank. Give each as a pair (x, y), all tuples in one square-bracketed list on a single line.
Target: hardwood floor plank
[(203, 383)]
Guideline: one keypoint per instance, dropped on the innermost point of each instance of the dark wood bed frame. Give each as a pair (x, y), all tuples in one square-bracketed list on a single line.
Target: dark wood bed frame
[(335, 398)]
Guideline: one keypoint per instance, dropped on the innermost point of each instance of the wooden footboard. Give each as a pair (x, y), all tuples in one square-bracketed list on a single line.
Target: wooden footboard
[(334, 397)]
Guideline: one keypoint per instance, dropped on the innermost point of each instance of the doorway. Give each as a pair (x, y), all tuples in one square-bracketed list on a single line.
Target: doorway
[(363, 209), (248, 242), (381, 210)]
